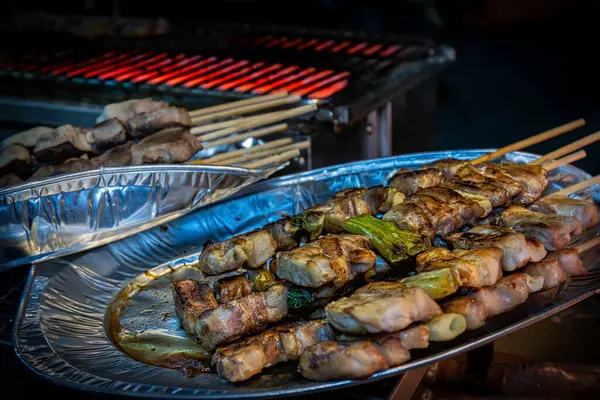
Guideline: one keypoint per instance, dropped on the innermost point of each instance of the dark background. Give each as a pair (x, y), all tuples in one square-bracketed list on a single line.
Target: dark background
[(522, 67)]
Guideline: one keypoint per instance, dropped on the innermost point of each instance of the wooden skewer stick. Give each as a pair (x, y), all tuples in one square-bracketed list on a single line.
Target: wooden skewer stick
[(236, 104), (253, 156), (285, 156), (576, 145), (577, 187), (252, 134), (232, 154), (571, 158), (246, 109), (252, 122), (559, 130), (196, 130), (588, 245)]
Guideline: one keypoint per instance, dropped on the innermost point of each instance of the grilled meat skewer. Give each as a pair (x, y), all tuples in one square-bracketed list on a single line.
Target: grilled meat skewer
[(381, 307), (29, 137), (504, 296), (361, 358), (213, 324), (17, 160), (243, 359), (557, 267), (335, 258), (585, 211), (554, 231), (128, 109), (147, 123), (517, 249), (476, 268)]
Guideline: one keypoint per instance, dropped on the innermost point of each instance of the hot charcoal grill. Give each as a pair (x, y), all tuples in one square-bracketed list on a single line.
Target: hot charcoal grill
[(359, 80)]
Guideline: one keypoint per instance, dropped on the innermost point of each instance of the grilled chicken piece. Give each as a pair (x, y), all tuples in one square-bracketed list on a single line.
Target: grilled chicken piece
[(107, 134), (169, 146), (448, 166), (468, 210), (147, 123), (549, 270), (250, 250), (533, 179), (504, 296), (129, 108), (476, 268), (284, 232), (16, 159), (63, 143), (485, 187), (118, 156), (512, 186), (585, 211), (243, 359), (536, 249), (568, 261), (229, 289), (71, 165), (9, 179), (409, 181), (381, 307), (237, 318), (554, 231), (411, 216), (335, 258), (359, 359), (29, 137), (513, 245), (192, 298)]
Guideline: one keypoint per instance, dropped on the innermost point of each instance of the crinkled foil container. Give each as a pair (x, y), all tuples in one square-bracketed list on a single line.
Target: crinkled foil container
[(62, 327), (70, 213)]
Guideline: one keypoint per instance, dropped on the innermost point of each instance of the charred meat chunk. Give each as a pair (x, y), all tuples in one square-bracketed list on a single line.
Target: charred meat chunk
[(72, 165), (63, 143), (192, 299), (147, 123), (169, 146), (16, 159), (409, 181)]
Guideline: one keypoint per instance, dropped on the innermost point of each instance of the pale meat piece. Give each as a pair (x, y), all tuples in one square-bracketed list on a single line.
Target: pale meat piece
[(118, 156), (243, 359), (569, 261), (70, 166), (536, 249), (468, 210), (504, 296), (486, 187), (232, 320), (107, 134), (359, 359), (129, 108), (476, 268), (63, 143), (533, 179), (285, 233), (334, 258), (448, 166), (585, 211), (411, 216), (192, 299), (513, 245), (147, 123), (16, 159), (9, 179), (549, 270), (381, 307), (409, 181), (29, 137), (229, 289), (169, 146), (554, 231), (250, 250)]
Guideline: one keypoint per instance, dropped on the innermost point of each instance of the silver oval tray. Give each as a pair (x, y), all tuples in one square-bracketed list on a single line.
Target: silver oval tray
[(62, 327), (65, 214)]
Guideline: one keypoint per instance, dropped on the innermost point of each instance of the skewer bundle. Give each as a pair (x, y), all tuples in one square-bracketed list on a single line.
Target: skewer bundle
[(145, 132), (383, 309)]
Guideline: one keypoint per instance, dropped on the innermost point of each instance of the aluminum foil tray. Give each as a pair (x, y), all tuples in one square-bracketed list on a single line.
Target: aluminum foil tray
[(62, 327), (69, 213)]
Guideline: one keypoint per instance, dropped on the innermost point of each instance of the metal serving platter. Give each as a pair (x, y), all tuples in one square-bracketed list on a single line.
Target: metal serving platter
[(65, 214), (62, 327)]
